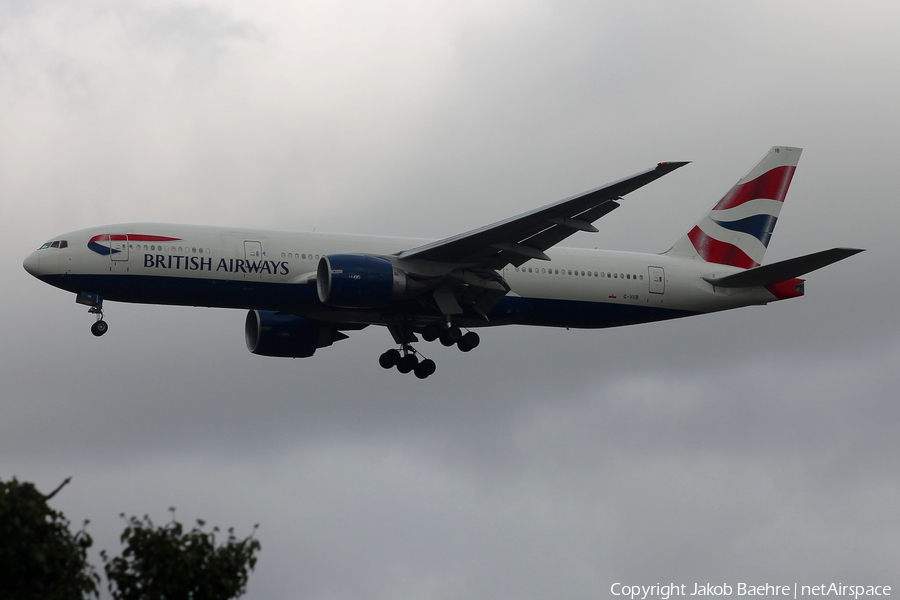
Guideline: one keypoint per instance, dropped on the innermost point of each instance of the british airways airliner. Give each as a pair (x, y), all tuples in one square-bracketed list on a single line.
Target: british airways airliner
[(304, 291)]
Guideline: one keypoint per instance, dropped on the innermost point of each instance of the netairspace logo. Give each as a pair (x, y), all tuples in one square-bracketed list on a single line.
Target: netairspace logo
[(671, 590)]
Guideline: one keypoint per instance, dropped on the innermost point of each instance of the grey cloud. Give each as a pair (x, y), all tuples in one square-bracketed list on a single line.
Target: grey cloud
[(755, 444)]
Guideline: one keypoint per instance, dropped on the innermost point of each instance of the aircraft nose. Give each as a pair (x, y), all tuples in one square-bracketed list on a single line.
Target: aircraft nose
[(32, 264)]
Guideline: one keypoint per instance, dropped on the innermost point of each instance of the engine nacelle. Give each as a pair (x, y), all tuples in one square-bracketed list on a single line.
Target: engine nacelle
[(271, 333), (358, 281)]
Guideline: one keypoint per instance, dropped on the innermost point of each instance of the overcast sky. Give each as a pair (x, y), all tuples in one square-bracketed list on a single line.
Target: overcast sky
[(758, 445)]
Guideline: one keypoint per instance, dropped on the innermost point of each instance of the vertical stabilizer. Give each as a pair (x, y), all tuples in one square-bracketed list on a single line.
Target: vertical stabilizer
[(737, 230)]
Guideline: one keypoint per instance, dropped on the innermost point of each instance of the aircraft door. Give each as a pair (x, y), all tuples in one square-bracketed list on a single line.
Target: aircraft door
[(657, 280), (118, 247), (253, 251)]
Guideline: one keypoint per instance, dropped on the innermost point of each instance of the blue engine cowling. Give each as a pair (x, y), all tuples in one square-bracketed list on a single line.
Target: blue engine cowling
[(358, 281), (271, 333)]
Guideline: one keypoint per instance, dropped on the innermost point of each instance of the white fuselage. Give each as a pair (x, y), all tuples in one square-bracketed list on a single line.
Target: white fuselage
[(275, 270)]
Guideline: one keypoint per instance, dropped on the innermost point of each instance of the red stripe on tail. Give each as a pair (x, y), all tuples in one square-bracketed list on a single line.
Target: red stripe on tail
[(772, 184), (722, 253)]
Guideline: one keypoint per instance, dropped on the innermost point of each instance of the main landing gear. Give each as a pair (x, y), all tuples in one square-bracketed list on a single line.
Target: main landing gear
[(450, 334), (407, 358), (406, 362)]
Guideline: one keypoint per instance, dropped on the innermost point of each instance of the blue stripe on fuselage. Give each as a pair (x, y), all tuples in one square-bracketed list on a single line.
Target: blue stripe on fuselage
[(579, 314), (303, 299)]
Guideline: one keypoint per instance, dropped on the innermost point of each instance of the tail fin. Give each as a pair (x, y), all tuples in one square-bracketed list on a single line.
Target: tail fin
[(737, 230)]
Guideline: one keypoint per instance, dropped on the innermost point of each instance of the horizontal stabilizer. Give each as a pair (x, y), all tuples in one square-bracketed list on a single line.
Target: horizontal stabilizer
[(784, 270)]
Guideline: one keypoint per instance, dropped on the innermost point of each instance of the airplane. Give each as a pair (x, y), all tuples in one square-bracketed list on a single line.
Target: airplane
[(303, 291)]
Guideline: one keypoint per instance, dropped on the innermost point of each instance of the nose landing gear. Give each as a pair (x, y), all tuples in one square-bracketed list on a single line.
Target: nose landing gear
[(99, 327), (95, 301)]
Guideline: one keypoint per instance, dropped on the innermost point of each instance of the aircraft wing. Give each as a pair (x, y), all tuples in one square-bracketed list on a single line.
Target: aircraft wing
[(527, 236)]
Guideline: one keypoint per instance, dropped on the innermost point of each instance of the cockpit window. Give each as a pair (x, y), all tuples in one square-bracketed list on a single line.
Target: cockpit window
[(63, 244), (55, 244), (47, 245)]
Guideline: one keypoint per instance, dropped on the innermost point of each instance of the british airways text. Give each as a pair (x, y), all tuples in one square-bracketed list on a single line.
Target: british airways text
[(230, 265)]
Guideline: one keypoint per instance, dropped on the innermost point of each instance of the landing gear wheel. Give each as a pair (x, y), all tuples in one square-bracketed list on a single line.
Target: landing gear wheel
[(432, 332), (389, 359), (425, 368), (468, 341), (99, 328), (407, 363), (450, 335)]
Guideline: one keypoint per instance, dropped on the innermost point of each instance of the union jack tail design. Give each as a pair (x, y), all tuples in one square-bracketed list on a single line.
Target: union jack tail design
[(737, 230)]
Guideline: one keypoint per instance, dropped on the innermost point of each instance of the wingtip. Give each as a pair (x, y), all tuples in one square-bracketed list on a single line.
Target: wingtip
[(672, 165)]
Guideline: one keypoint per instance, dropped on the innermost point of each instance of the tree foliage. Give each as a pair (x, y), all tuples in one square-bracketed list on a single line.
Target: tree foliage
[(41, 559), (39, 555), (168, 563)]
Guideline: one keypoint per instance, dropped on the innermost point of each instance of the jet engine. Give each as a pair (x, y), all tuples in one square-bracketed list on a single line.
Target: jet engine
[(358, 281), (271, 333)]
